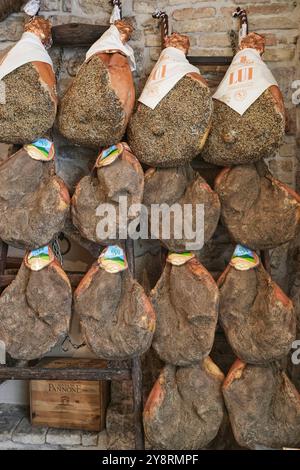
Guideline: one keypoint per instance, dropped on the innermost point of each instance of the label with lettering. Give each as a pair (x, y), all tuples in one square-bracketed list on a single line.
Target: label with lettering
[(110, 155), (171, 67), (245, 81), (178, 259), (37, 260), (244, 259), (113, 259), (41, 149)]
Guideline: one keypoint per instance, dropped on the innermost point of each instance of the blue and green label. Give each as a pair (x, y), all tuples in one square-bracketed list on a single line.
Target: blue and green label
[(113, 259), (41, 149), (244, 258)]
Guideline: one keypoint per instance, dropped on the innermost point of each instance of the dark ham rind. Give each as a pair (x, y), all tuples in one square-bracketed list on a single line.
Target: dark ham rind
[(182, 186), (35, 311), (258, 210), (123, 178), (34, 202), (186, 301), (258, 319), (263, 407), (116, 317), (184, 410)]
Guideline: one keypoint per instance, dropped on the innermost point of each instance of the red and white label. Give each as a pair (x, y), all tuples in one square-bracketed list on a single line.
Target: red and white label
[(245, 81), (171, 67)]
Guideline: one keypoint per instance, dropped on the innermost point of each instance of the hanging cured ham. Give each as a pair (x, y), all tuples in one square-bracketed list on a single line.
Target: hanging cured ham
[(34, 202), (263, 406), (173, 116), (35, 309), (116, 317), (117, 178), (259, 320), (28, 98), (187, 192), (258, 210), (186, 301), (249, 113), (184, 410), (96, 108)]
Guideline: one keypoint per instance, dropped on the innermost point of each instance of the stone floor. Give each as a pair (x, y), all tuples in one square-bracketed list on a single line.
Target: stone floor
[(16, 433)]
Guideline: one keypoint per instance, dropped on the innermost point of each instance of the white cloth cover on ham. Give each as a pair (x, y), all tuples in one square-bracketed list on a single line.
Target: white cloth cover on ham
[(111, 41), (245, 81), (171, 67), (29, 49)]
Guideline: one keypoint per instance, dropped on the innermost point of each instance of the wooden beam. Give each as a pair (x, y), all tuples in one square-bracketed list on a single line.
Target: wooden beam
[(137, 384), (77, 34), (213, 60), (37, 373)]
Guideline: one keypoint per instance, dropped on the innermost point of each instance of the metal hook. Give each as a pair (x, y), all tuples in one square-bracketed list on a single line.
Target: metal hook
[(117, 3)]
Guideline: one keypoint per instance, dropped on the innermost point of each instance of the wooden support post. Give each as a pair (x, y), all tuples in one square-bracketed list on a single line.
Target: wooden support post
[(129, 249), (137, 383), (136, 369), (3, 257)]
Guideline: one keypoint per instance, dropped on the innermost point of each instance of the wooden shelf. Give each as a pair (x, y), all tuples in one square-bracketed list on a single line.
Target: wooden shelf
[(39, 373), (213, 60), (77, 34)]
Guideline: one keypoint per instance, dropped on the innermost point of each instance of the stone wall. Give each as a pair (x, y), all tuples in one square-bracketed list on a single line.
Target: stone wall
[(208, 24)]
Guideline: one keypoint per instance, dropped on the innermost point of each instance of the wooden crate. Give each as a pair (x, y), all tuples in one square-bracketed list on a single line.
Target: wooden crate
[(69, 404)]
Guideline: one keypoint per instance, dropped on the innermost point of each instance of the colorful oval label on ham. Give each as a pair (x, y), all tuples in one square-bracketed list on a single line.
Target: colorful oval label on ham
[(42, 149), (109, 156), (113, 260), (39, 259), (179, 259), (244, 259)]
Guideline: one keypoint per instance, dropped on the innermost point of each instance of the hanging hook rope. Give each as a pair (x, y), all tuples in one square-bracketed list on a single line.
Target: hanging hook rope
[(244, 27), (162, 15), (117, 11), (56, 250)]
